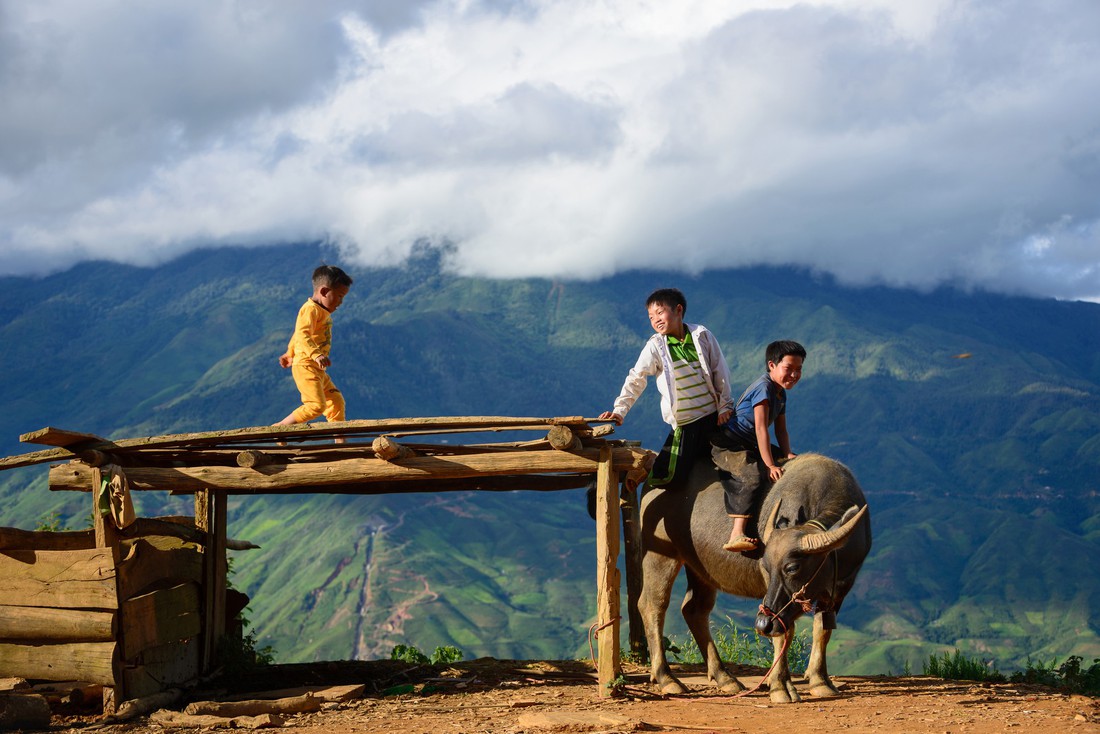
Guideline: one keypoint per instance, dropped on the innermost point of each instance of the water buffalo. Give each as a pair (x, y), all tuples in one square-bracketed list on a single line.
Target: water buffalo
[(816, 535)]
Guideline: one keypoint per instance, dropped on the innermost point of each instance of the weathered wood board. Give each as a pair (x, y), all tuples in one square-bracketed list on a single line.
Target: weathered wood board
[(160, 617), (154, 560), (87, 661), (58, 625), (13, 538), (79, 579), (159, 668)]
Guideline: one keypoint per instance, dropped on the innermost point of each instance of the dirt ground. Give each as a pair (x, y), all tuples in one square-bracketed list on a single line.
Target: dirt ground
[(509, 697)]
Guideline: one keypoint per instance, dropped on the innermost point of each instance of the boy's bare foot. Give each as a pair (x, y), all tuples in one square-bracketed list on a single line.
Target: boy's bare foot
[(741, 544)]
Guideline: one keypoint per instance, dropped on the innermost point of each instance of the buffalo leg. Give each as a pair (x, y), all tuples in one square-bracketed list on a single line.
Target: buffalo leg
[(698, 604), (658, 574), (817, 671), (779, 681)]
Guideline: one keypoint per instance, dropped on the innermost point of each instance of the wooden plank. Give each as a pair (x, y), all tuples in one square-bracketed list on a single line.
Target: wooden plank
[(86, 661), (43, 624), (355, 470), (161, 668), (82, 579), (157, 560), (145, 526), (50, 436), (608, 664), (301, 432), (13, 538), (159, 617), (632, 557), (211, 515)]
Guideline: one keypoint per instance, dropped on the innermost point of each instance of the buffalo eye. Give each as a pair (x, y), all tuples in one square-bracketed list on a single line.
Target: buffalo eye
[(791, 569)]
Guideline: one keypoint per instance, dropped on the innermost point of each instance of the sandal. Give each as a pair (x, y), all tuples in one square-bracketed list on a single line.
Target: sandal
[(742, 544)]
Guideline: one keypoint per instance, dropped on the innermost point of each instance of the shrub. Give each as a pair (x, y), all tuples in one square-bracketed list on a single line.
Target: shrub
[(959, 667), (442, 655), (1069, 675)]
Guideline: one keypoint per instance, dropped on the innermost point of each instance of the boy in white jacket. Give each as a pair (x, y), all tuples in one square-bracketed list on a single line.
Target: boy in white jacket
[(693, 380)]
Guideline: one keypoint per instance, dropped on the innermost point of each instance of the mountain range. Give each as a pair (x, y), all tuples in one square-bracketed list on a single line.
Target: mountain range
[(971, 419)]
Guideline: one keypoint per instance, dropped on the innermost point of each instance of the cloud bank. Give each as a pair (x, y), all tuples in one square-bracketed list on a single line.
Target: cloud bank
[(902, 142)]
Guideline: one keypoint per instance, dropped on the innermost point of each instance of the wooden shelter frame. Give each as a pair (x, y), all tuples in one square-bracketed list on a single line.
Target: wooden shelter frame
[(372, 457)]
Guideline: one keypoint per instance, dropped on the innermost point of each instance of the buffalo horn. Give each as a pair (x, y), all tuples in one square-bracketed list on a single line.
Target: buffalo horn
[(769, 526), (830, 539)]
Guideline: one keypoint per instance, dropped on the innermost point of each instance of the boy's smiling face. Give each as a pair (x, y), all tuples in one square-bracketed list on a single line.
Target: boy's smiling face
[(787, 372), (667, 320)]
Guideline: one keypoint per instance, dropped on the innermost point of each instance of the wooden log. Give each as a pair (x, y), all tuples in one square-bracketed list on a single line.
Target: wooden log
[(88, 661), (348, 471), (50, 436), (526, 482), (633, 552), (211, 515), (146, 526), (142, 705), (24, 711), (387, 449), (229, 709), (160, 668), (563, 439), (337, 694), (95, 457), (56, 625), (160, 617), (608, 664), (252, 459), (155, 560), (83, 579), (46, 540), (176, 720), (605, 430), (7, 685), (303, 431)]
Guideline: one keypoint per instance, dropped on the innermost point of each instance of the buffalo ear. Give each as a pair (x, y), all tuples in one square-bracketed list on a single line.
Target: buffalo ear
[(848, 515), (801, 520)]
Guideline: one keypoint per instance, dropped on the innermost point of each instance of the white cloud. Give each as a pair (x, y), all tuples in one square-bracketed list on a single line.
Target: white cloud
[(902, 142)]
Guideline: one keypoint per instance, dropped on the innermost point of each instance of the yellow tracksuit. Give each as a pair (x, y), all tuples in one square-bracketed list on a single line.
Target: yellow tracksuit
[(312, 338)]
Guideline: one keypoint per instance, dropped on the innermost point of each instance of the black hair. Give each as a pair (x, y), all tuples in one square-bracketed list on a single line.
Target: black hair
[(330, 276), (671, 297), (776, 351)]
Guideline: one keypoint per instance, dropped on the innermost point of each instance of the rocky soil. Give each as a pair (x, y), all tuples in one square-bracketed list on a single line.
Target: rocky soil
[(508, 697)]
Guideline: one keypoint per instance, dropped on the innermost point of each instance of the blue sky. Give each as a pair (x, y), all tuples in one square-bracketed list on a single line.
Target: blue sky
[(900, 142)]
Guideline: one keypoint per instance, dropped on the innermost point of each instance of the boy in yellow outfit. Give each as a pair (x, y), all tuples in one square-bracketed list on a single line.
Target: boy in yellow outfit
[(308, 350)]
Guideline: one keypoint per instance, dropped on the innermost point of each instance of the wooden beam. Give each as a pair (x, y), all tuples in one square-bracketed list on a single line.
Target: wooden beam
[(55, 625), (302, 432), (320, 476), (608, 664), (45, 540), (50, 436), (211, 515), (85, 661), (633, 552)]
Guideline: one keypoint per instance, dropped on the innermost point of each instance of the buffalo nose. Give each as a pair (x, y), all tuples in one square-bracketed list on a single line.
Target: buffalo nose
[(763, 625)]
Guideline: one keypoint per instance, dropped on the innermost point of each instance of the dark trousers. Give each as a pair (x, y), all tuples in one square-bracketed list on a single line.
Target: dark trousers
[(684, 445), (740, 470)]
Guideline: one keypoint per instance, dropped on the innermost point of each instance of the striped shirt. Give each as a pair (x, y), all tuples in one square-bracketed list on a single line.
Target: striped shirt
[(693, 397)]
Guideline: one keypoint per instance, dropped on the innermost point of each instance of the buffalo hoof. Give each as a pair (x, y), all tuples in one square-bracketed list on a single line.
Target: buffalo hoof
[(784, 693), (824, 690), (672, 687), (728, 684)]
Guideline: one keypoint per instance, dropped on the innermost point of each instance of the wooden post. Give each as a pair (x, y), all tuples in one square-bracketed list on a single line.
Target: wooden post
[(106, 536), (632, 548), (211, 515), (608, 665)]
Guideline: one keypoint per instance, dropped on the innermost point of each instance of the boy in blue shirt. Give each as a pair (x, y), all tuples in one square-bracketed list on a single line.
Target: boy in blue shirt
[(762, 405), (693, 379)]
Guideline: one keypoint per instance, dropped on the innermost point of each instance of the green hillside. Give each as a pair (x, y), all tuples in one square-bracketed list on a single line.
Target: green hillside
[(981, 471)]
